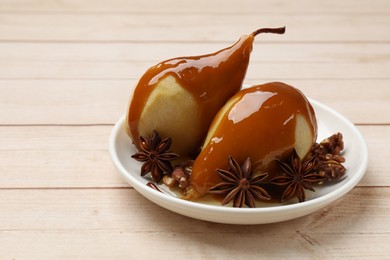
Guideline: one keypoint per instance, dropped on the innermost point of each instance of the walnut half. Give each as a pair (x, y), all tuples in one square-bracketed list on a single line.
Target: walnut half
[(328, 157)]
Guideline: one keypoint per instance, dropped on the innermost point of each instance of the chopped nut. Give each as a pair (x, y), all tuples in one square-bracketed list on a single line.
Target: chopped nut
[(331, 169), (169, 181), (184, 182), (179, 174), (333, 144), (328, 157)]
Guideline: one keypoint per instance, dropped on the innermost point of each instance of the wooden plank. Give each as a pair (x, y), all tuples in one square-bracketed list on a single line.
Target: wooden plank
[(134, 70), (201, 6), (64, 102), (64, 156), (36, 169), (378, 170), (152, 53), (123, 244), (104, 101), (137, 27), (55, 138), (100, 61), (77, 223)]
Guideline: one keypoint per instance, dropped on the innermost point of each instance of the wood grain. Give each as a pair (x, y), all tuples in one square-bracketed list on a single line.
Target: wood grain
[(347, 7), (189, 27), (133, 70), (151, 52), (35, 222)]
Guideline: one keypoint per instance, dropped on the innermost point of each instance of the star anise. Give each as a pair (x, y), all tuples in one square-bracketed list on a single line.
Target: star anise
[(240, 185), (155, 156), (328, 157), (297, 176)]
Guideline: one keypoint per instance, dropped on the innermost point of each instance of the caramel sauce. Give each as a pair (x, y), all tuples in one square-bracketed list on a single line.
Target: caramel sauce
[(260, 125), (212, 79)]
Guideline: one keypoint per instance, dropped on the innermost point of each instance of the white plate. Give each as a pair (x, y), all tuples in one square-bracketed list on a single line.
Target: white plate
[(329, 122)]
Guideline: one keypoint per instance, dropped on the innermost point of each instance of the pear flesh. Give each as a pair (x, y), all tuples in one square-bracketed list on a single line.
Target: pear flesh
[(164, 111), (264, 123)]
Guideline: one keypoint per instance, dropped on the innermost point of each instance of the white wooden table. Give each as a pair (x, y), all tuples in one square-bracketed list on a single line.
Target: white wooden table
[(67, 69)]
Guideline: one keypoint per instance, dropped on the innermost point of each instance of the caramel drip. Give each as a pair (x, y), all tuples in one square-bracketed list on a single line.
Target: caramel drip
[(260, 125), (211, 79)]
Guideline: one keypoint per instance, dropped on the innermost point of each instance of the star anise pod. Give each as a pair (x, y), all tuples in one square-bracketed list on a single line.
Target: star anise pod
[(297, 176), (328, 157), (240, 185), (155, 156)]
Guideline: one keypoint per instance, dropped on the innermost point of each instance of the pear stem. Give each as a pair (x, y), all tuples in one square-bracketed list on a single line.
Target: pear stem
[(280, 30)]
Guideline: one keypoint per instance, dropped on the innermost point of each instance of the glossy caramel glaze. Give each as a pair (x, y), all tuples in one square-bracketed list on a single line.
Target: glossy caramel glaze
[(212, 79), (260, 124)]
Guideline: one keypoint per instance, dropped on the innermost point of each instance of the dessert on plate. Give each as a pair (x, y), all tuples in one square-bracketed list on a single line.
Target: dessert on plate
[(197, 131)]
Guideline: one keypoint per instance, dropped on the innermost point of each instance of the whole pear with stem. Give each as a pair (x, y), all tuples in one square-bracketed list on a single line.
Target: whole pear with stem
[(180, 97)]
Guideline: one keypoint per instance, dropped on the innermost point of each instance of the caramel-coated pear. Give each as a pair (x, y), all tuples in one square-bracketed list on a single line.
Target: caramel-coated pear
[(264, 123), (180, 97)]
